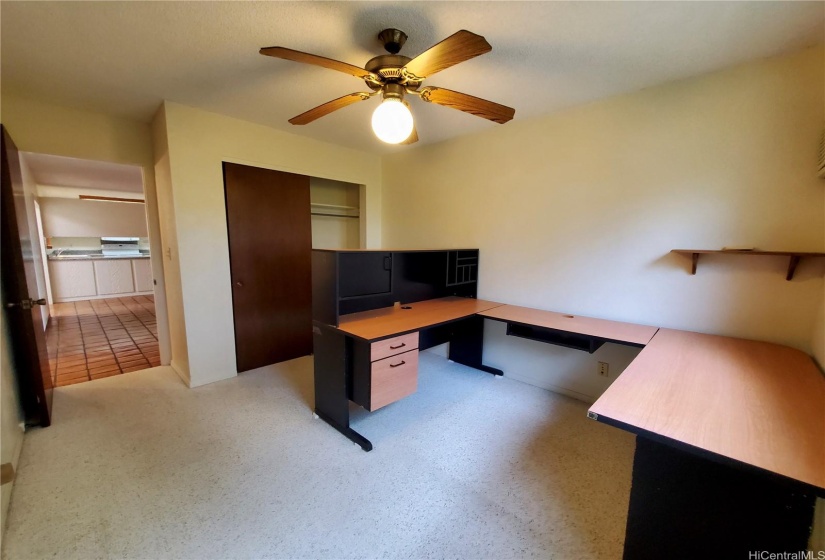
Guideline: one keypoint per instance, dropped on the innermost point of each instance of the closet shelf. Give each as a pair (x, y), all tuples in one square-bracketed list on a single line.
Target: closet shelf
[(793, 256), (334, 210), (338, 206)]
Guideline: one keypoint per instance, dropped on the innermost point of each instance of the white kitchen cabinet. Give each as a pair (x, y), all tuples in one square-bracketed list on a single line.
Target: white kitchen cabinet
[(77, 279), (114, 277), (72, 279), (142, 269)]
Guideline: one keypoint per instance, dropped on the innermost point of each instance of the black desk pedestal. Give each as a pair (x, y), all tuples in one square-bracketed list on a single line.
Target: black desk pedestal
[(683, 506), (336, 365)]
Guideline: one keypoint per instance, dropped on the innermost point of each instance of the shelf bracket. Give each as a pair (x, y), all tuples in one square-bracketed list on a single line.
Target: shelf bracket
[(792, 266), (694, 262)]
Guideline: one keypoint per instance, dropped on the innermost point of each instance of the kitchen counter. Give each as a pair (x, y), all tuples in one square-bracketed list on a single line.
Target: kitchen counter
[(94, 257)]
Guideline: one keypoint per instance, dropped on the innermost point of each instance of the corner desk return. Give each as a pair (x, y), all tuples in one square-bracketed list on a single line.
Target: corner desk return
[(730, 447)]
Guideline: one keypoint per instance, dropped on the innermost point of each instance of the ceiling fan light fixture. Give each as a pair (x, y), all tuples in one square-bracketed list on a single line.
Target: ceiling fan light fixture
[(392, 121)]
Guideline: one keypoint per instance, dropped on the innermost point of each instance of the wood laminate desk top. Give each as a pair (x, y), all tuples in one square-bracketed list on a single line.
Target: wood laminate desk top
[(389, 321), (759, 403), (601, 328)]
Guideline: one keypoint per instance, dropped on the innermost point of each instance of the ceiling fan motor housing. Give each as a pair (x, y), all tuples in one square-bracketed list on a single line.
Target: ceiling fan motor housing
[(389, 67), (392, 39)]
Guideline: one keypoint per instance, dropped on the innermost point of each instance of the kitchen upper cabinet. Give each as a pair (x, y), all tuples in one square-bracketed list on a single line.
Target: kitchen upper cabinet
[(72, 279), (142, 269), (114, 277)]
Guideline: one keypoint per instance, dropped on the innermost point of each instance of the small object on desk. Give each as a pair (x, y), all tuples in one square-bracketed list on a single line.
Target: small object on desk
[(406, 307)]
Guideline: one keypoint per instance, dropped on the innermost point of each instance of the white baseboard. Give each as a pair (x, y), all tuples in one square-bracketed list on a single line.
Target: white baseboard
[(182, 373)]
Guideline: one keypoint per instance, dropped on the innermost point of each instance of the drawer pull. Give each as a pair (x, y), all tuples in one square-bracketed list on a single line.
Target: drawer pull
[(399, 364), (402, 345)]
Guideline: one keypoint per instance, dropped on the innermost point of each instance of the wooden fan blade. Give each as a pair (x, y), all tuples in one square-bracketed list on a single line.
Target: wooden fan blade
[(306, 58), (469, 104), (412, 138), (329, 107), (456, 48)]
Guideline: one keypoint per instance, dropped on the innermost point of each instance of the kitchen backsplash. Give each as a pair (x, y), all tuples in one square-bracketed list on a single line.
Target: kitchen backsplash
[(84, 243)]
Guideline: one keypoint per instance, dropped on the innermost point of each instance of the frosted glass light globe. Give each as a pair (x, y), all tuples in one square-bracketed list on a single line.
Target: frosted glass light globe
[(392, 121)]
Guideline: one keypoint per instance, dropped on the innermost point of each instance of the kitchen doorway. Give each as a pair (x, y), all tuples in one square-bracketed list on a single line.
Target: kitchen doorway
[(97, 267)]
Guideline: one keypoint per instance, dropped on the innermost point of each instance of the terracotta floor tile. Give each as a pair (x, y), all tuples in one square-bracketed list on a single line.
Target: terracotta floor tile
[(68, 368), (73, 363), (130, 360), (94, 340), (105, 336), (126, 359), (64, 382), (82, 376), (133, 366), (112, 363), (112, 370), (105, 374)]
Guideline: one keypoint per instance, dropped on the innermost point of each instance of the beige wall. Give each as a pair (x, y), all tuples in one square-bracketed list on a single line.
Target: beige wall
[(11, 434), (66, 217), (50, 129), (578, 211), (198, 143), (169, 237)]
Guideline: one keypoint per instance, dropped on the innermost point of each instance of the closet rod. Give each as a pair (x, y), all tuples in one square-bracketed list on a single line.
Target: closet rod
[(332, 215)]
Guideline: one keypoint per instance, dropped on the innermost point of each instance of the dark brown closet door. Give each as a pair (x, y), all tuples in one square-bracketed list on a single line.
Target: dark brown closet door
[(270, 245)]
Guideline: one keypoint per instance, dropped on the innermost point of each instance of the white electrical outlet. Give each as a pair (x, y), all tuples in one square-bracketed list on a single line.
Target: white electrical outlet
[(603, 368)]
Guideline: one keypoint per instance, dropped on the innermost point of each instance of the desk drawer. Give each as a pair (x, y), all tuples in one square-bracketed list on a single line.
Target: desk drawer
[(393, 378), (392, 346)]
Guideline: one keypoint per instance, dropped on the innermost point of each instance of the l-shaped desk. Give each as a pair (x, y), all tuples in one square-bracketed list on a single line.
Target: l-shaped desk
[(730, 450)]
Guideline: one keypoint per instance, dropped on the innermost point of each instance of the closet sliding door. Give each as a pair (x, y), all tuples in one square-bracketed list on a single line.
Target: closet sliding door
[(270, 244)]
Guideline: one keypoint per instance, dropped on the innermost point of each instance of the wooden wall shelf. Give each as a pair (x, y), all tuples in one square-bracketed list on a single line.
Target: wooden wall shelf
[(793, 256)]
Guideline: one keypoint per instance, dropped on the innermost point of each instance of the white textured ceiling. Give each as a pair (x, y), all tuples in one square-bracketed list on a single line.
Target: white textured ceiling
[(57, 171), (125, 57)]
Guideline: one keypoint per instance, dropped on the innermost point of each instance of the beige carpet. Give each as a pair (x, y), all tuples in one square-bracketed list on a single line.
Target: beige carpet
[(139, 466)]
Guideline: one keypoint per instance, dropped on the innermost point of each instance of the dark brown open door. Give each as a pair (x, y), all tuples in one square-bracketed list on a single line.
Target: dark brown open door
[(21, 300), (270, 246)]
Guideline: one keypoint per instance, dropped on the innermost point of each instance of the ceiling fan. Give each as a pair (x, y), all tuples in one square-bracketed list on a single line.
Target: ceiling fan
[(393, 76)]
